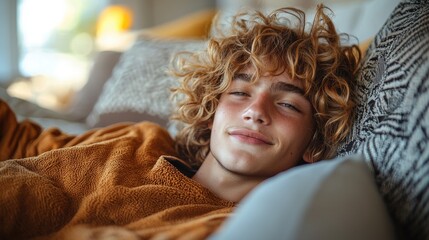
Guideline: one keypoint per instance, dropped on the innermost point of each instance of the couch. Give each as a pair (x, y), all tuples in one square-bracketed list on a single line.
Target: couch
[(390, 134)]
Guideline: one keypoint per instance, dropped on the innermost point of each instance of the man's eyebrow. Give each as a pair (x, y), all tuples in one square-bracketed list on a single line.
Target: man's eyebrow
[(242, 76), (278, 86), (287, 87)]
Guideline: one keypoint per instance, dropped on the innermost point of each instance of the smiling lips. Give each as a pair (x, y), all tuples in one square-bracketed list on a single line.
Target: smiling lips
[(250, 136)]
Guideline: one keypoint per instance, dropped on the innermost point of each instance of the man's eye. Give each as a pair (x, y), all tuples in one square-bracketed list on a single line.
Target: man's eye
[(289, 106), (237, 93)]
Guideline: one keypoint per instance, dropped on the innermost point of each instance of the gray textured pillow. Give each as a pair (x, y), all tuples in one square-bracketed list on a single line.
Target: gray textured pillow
[(392, 125), (139, 87)]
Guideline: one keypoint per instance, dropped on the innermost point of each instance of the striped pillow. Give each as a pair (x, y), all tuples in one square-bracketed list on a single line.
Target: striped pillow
[(392, 125)]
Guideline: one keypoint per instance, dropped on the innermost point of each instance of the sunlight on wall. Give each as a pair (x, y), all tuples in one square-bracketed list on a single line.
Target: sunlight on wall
[(113, 24), (114, 19)]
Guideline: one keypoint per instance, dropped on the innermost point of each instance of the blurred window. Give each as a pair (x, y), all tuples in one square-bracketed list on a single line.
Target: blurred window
[(57, 42)]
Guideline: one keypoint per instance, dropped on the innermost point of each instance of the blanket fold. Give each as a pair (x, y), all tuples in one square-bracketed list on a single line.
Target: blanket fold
[(117, 181)]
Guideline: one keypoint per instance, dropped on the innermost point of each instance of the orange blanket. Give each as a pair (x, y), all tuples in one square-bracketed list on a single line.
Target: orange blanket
[(117, 182)]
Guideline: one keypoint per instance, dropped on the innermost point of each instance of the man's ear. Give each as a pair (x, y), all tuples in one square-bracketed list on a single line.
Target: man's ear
[(210, 124), (307, 156)]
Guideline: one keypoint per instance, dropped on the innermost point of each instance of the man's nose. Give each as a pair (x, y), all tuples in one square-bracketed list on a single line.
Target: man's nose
[(258, 110)]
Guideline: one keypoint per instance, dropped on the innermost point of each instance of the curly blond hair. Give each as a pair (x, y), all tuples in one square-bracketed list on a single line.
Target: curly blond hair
[(314, 56)]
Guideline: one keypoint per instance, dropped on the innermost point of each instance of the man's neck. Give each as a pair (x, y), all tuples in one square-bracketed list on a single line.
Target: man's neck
[(225, 184)]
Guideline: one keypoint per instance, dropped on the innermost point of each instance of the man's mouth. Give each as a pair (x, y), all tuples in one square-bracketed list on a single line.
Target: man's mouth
[(250, 136)]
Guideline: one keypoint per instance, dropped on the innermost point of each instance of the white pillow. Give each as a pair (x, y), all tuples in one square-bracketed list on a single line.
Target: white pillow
[(361, 19), (335, 199)]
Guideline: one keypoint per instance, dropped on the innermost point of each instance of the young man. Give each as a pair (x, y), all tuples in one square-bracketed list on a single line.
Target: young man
[(258, 101), (264, 98)]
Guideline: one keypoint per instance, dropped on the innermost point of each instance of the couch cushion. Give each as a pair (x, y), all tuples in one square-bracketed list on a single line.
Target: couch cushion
[(392, 125), (85, 99), (330, 200)]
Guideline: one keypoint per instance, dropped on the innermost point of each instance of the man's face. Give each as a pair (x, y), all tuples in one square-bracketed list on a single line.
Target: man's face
[(261, 128)]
